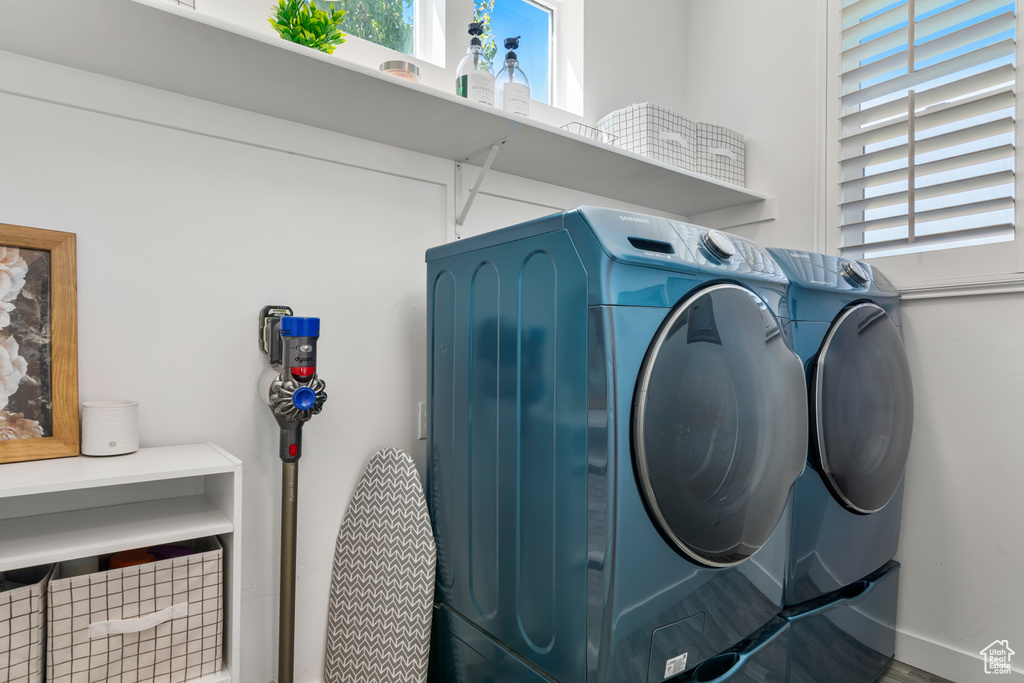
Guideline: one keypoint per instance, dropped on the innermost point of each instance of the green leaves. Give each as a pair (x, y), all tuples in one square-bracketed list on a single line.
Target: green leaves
[(301, 23), (384, 22), (482, 12)]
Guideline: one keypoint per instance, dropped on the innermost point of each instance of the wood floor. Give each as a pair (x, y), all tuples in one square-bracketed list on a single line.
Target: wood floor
[(898, 672)]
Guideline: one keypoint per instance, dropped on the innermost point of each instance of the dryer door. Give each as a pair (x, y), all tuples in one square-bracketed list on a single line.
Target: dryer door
[(719, 425), (863, 408)]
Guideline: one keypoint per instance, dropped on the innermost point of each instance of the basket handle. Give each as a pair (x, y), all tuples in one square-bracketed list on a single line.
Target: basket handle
[(106, 628), (674, 137), (722, 152)]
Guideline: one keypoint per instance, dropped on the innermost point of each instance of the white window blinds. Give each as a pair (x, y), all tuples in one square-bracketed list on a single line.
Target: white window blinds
[(927, 125)]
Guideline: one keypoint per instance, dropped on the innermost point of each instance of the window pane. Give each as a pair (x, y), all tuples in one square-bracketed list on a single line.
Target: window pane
[(534, 24), (384, 22), (928, 128)]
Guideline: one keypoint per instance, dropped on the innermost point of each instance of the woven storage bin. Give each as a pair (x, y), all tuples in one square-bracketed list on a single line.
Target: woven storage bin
[(654, 132), (23, 626), (721, 153), (160, 622)]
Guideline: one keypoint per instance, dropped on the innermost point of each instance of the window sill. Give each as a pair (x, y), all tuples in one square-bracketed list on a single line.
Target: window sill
[(977, 270), (183, 51), (977, 286)]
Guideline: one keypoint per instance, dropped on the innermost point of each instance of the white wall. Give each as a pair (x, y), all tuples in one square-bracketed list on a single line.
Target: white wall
[(758, 68), (755, 67), (635, 52), (191, 217), (181, 239), (962, 541)]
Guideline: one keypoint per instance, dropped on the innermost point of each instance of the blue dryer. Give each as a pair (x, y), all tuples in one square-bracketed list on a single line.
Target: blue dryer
[(616, 422), (841, 584)]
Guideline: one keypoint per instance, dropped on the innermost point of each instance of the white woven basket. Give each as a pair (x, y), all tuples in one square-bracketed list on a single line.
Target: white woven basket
[(148, 623), (23, 626), (721, 153), (655, 132)]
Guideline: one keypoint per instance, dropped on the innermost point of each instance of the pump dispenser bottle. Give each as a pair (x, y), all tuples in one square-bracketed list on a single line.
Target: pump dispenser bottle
[(474, 80), (513, 88)]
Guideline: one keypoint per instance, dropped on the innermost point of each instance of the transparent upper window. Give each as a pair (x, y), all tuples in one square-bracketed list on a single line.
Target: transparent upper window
[(389, 23), (534, 23)]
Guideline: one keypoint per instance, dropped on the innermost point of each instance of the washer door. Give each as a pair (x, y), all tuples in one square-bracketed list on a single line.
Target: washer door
[(863, 408), (719, 425)]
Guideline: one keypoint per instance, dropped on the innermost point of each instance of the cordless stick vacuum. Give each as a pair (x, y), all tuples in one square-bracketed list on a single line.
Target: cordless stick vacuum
[(295, 396)]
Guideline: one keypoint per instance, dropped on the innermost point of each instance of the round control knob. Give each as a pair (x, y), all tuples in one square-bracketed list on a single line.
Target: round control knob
[(855, 273), (304, 398), (718, 244)]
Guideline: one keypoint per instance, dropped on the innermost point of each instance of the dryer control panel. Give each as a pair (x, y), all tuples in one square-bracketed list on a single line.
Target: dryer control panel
[(826, 272)]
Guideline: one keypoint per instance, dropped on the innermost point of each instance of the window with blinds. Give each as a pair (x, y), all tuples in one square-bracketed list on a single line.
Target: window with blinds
[(927, 122)]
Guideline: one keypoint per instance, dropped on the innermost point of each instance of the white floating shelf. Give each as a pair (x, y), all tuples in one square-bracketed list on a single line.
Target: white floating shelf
[(158, 44), (42, 539), (83, 472)]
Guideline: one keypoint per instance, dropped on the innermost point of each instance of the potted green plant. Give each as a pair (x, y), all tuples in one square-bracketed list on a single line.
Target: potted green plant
[(306, 24)]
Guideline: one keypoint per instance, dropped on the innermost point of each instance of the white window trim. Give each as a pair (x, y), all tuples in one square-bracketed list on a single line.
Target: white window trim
[(966, 271), (429, 36), (567, 55), (554, 8)]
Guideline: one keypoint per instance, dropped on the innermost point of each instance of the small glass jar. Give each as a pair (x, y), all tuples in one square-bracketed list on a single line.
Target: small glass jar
[(406, 70)]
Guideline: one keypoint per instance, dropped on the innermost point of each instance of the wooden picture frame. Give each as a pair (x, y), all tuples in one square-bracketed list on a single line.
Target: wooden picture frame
[(38, 329)]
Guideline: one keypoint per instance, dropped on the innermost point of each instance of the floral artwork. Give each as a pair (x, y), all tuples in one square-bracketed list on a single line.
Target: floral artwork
[(25, 398)]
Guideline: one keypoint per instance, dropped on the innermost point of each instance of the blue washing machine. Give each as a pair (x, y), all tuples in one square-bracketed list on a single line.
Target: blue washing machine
[(840, 581), (616, 422)]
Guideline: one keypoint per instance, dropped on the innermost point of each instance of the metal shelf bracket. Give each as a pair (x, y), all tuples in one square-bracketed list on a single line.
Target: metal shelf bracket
[(492, 153)]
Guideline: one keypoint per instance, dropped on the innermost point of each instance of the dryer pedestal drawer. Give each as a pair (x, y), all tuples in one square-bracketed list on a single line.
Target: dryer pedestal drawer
[(761, 658), (848, 636)]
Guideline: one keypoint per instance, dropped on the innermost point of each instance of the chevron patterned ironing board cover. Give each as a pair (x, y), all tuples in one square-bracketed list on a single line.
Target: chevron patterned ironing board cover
[(378, 624)]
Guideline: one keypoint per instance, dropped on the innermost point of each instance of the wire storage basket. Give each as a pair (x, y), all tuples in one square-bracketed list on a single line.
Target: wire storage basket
[(582, 129)]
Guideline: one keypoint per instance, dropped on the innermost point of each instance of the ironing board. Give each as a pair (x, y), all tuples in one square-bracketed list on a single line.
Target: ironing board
[(382, 588)]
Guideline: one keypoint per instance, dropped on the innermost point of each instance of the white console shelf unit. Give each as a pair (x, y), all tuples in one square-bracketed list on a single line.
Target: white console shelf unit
[(159, 44), (67, 508)]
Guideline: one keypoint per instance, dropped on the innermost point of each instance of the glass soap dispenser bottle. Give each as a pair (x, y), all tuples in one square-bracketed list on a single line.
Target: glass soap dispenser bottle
[(474, 80), (513, 88)]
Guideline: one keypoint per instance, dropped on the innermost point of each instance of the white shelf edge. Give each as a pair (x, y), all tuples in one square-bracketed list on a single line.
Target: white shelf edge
[(186, 52), (56, 537), (737, 216), (222, 676), (235, 462), (84, 472)]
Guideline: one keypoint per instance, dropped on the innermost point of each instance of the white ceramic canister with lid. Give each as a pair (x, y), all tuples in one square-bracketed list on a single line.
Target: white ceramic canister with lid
[(110, 427)]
